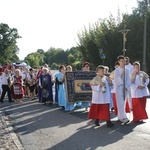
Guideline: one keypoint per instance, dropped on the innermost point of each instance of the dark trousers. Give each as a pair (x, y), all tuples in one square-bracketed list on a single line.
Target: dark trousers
[(6, 88)]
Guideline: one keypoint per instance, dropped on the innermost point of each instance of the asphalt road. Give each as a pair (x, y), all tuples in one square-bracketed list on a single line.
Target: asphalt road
[(48, 127)]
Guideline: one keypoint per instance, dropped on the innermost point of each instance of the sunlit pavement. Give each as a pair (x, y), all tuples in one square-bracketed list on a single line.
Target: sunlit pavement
[(43, 127)]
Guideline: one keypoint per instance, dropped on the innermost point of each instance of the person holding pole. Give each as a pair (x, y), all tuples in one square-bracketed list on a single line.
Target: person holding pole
[(122, 84)]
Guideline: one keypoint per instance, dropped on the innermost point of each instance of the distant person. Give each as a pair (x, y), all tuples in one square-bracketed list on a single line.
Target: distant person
[(128, 65), (113, 88), (85, 68), (6, 83), (12, 71), (106, 71), (40, 71), (45, 83), (31, 77), (68, 68), (26, 84), (139, 91), (69, 106)]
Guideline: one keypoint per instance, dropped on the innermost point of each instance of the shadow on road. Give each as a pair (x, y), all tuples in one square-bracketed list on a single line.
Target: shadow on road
[(32, 116)]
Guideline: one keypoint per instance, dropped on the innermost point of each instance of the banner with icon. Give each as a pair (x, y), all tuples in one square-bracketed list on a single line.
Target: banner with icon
[(77, 86)]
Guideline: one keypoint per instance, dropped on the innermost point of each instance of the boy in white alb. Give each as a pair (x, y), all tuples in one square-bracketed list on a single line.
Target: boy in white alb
[(122, 87), (99, 109)]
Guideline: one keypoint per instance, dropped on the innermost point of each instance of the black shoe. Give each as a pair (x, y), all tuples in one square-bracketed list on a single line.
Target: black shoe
[(112, 109), (11, 101), (63, 107), (110, 124), (1, 101), (96, 123)]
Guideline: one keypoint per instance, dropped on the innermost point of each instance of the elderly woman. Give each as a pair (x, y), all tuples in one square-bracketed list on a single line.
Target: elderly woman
[(17, 88), (45, 83)]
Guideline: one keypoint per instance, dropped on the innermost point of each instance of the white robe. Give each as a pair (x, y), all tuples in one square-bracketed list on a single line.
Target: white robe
[(119, 86), (139, 93), (98, 97), (130, 68)]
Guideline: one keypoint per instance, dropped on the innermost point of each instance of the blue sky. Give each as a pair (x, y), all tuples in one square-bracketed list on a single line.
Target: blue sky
[(55, 23)]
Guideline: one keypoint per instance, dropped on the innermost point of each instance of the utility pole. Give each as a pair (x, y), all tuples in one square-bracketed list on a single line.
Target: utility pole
[(124, 33), (144, 35)]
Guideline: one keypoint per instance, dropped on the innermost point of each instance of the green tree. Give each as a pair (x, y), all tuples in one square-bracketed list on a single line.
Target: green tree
[(8, 44), (54, 66), (33, 59), (54, 55), (41, 51), (105, 34), (71, 58)]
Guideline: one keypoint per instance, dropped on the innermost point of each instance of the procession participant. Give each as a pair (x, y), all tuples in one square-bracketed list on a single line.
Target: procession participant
[(32, 83), (69, 107), (26, 83), (113, 89), (68, 68), (17, 89), (85, 68), (99, 109), (122, 87), (40, 71), (131, 70), (139, 91), (107, 73), (45, 84), (128, 65), (12, 70), (6, 82), (60, 87), (114, 93)]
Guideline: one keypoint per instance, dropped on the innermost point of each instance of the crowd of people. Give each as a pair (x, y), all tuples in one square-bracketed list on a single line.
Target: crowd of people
[(123, 90)]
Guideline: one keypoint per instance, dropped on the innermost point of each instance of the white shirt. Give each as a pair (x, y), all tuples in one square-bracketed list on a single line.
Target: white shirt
[(139, 93), (5, 79)]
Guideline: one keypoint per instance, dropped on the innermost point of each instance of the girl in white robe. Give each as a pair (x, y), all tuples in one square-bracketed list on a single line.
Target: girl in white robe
[(139, 91)]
